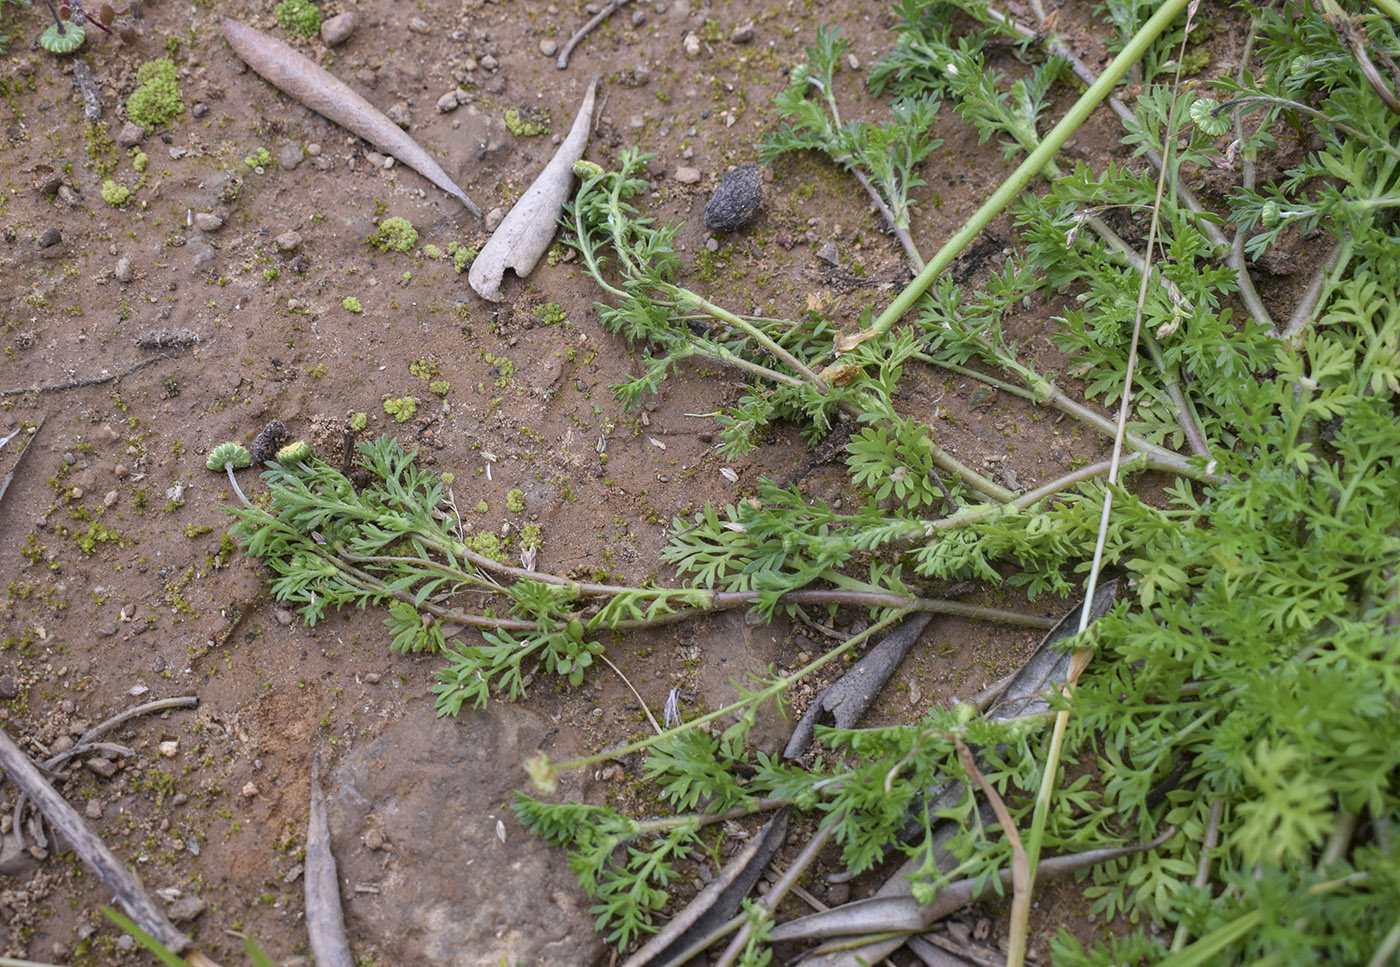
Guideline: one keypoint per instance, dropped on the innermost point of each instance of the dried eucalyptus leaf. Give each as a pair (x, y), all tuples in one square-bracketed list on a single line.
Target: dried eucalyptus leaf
[(327, 95), (529, 227)]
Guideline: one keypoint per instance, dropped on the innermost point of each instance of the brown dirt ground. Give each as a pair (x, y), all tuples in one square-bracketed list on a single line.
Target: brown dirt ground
[(110, 536)]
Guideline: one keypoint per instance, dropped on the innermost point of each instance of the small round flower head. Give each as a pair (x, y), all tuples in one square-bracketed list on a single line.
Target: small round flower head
[(294, 452), (229, 455)]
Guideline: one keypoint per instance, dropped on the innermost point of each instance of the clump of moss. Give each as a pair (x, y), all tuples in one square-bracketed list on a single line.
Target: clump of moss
[(261, 158), (462, 255), (115, 194), (157, 98), (402, 408), (441, 387), (298, 17), (358, 421), (515, 501), (139, 159), (431, 251), (352, 304), (527, 123), (394, 235)]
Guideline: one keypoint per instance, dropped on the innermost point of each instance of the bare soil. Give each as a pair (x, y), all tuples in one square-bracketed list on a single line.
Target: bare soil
[(121, 586)]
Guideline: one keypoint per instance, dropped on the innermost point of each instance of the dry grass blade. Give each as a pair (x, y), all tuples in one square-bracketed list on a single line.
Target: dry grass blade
[(327, 95), (1020, 868)]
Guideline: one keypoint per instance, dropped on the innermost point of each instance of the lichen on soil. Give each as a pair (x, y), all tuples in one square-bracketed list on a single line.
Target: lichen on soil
[(122, 585)]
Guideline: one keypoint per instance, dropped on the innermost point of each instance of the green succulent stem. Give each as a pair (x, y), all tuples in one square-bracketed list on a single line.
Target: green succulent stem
[(1021, 178)]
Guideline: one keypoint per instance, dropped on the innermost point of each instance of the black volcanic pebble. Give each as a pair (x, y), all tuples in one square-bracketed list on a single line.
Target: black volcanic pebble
[(735, 202), (267, 442)]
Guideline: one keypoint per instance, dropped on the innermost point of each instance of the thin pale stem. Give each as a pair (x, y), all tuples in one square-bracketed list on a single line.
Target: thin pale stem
[(1053, 43), (774, 689), (1081, 658), (1031, 166), (693, 300)]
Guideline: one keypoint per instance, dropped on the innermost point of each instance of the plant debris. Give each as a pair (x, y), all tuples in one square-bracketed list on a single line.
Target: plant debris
[(327, 95), (525, 234)]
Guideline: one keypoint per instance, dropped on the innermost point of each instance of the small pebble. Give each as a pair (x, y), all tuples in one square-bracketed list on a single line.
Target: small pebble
[(249, 790), (829, 253), (288, 241), (313, 149), (687, 175), (419, 26), (548, 48), (374, 838), (102, 767), (337, 30), (109, 498), (208, 222), (9, 688), (93, 810), (130, 135), (448, 102), (69, 197), (639, 17), (283, 616), (50, 237), (375, 159), (489, 63), (691, 45), (186, 909), (853, 62), (123, 272), (712, 244), (743, 34), (289, 156), (170, 748), (494, 218)]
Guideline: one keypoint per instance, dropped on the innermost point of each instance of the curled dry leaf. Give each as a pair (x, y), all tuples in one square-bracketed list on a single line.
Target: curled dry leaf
[(327, 95), (529, 226)]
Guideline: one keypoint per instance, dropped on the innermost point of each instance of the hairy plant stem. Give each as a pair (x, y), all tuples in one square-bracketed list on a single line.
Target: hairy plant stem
[(688, 299), (771, 691), (1031, 166)]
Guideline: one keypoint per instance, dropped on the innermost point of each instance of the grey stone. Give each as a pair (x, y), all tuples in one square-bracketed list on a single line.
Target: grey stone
[(123, 272), (337, 30), (451, 893), (742, 34), (208, 222), (448, 102), (687, 175), (130, 135), (494, 218), (13, 860), (398, 113), (186, 908), (489, 63), (289, 156), (105, 768), (9, 688), (50, 237), (419, 26), (736, 202), (548, 47), (288, 241)]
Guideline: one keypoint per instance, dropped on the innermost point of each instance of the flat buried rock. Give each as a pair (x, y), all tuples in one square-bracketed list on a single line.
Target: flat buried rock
[(450, 890)]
